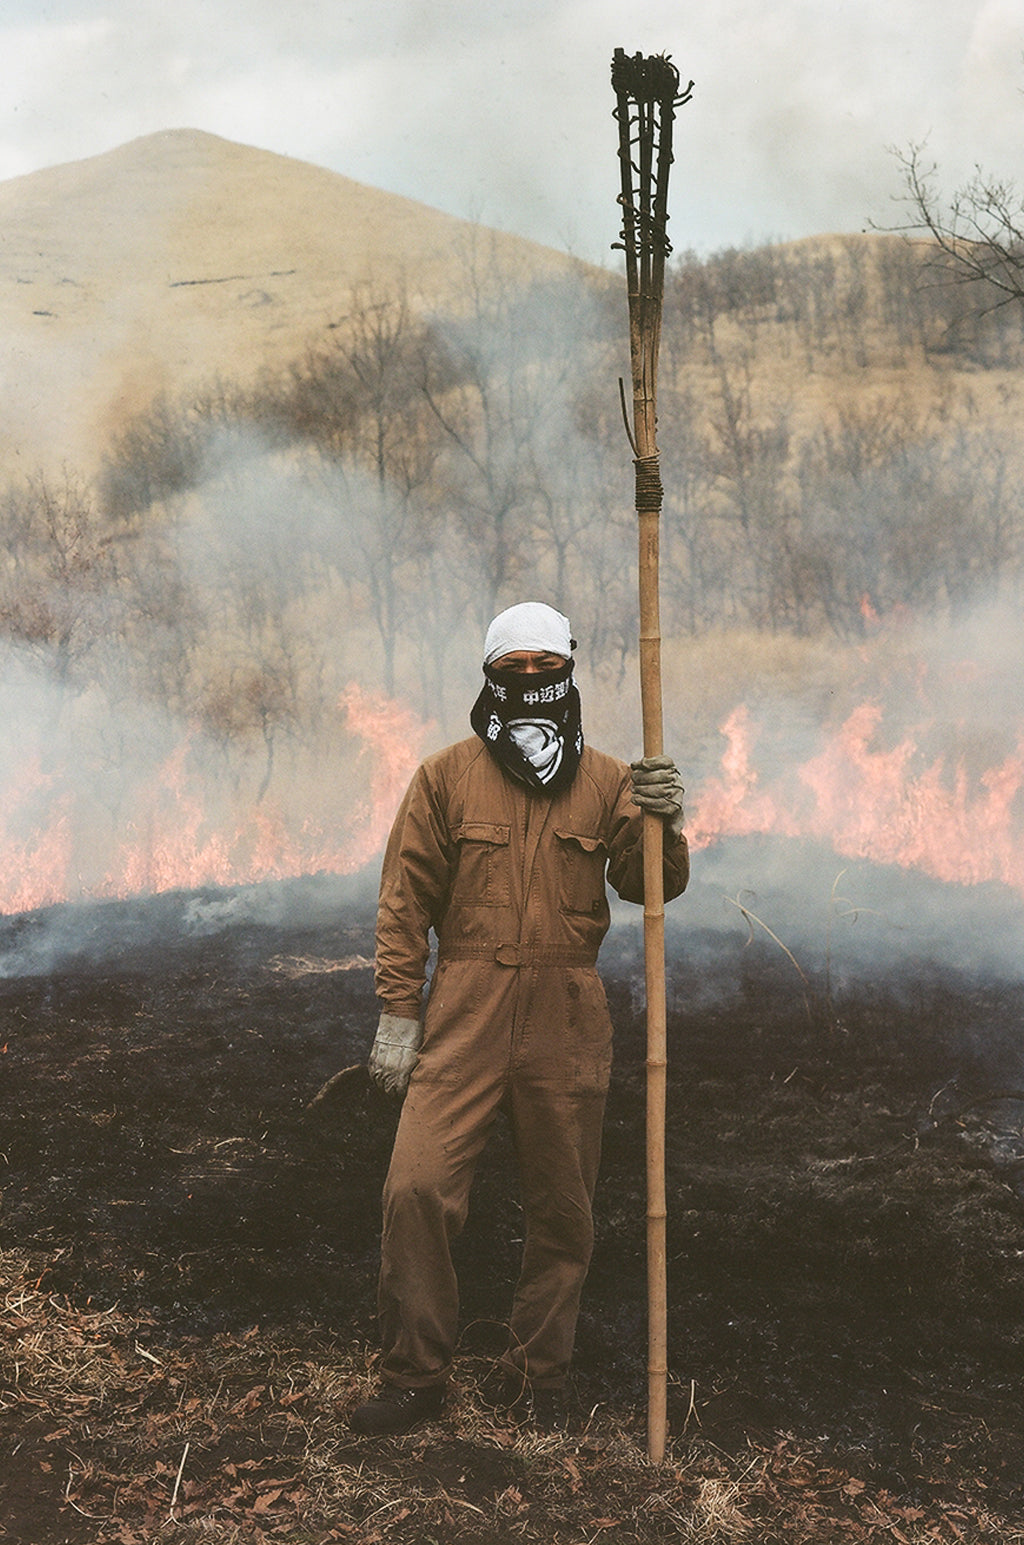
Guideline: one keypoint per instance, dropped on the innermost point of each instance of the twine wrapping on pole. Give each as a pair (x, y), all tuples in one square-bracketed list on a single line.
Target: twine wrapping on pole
[(649, 491), (647, 94)]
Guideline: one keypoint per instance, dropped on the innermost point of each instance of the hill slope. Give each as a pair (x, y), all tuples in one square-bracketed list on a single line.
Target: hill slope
[(181, 256)]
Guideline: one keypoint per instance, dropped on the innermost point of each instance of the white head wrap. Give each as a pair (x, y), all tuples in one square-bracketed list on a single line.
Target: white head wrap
[(530, 625)]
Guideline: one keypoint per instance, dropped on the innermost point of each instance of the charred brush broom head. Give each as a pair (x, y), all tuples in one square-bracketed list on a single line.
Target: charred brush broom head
[(646, 97), (647, 78)]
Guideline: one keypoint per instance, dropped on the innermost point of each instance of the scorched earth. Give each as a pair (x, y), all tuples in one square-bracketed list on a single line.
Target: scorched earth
[(189, 1252)]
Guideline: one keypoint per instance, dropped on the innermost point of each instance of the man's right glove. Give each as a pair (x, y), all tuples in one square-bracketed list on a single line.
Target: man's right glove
[(395, 1053)]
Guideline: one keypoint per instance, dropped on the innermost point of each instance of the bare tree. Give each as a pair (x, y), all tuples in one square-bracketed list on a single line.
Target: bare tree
[(504, 392), (487, 415), (377, 435), (58, 576), (979, 234), (160, 452)]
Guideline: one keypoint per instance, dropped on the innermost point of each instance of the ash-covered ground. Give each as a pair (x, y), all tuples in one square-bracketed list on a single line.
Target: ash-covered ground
[(846, 1218)]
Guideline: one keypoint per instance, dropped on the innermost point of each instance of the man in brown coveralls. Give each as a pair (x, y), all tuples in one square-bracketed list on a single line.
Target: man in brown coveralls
[(501, 847)]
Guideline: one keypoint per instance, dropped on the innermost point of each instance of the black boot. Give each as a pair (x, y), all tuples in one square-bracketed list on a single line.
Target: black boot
[(551, 1410), (395, 1410)]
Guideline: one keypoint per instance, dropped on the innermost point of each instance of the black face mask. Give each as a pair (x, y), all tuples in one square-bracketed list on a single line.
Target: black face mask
[(530, 723)]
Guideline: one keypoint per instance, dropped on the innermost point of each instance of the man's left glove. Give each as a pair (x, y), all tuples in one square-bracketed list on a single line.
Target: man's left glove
[(394, 1053), (658, 787)]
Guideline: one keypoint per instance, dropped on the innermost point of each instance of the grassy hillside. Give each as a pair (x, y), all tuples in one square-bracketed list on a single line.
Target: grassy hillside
[(180, 257)]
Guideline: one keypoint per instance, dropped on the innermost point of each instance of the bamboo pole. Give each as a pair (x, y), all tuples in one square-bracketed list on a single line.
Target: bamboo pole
[(647, 93)]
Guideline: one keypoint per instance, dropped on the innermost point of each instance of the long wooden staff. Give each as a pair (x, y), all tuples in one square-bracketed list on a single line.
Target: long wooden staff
[(647, 94)]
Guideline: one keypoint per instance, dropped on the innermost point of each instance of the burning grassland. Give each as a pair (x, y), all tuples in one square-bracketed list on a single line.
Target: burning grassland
[(905, 751), (188, 1255), (196, 634)]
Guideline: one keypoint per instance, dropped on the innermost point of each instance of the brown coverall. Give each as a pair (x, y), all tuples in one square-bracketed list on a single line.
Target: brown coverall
[(513, 884)]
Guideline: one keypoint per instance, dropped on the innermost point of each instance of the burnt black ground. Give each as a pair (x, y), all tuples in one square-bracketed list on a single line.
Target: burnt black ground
[(846, 1242)]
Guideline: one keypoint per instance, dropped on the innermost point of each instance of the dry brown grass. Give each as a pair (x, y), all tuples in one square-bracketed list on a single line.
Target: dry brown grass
[(241, 1439), (189, 256)]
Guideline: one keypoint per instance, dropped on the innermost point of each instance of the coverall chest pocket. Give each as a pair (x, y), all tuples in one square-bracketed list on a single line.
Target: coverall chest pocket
[(483, 867), (581, 873)]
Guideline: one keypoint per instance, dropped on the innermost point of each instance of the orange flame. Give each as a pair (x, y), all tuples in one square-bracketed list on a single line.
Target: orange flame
[(874, 803), (734, 804), (869, 793), (37, 851), (183, 834)]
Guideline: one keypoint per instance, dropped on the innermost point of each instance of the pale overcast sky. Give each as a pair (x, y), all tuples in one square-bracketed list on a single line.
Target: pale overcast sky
[(501, 111)]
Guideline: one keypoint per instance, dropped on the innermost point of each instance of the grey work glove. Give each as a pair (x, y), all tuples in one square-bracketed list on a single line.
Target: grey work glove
[(394, 1053), (658, 787)]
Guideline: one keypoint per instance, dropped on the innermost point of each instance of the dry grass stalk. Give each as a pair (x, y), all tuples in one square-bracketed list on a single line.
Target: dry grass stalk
[(240, 1440)]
